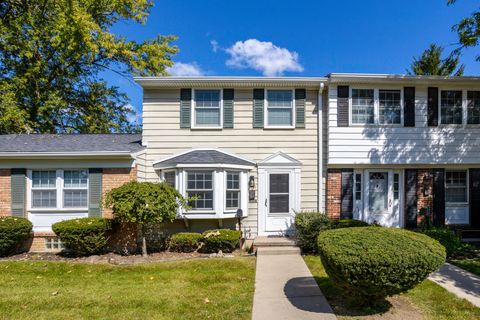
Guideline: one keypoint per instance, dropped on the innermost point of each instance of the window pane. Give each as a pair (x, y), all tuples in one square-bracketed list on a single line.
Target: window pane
[(456, 186), (169, 177), (199, 185), (207, 117), (207, 98), (473, 107), (389, 107), (279, 203), (280, 107), (456, 195), (233, 198), (75, 198), (44, 179), (451, 107), (358, 186), (75, 178), (204, 199), (44, 198), (378, 192), (396, 186), (233, 180), (362, 106), (279, 183), (207, 107)]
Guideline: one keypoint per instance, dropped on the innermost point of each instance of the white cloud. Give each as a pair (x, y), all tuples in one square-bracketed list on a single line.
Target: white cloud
[(262, 56), (185, 69), (133, 116), (215, 45)]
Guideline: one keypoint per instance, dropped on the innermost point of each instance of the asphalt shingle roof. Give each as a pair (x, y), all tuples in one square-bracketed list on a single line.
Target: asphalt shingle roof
[(70, 143), (206, 156)]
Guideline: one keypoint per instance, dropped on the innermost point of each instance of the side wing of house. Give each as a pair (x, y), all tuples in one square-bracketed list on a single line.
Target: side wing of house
[(244, 147), (400, 148)]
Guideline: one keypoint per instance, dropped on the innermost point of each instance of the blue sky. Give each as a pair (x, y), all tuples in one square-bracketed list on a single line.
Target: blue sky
[(298, 38)]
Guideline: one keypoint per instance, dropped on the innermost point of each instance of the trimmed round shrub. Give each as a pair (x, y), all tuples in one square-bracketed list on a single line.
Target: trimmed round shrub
[(85, 236), (221, 239), (348, 223), (447, 238), (372, 263), (13, 231), (308, 225), (185, 242)]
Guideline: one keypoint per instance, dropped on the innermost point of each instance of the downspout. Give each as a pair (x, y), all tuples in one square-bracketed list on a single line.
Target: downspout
[(320, 146)]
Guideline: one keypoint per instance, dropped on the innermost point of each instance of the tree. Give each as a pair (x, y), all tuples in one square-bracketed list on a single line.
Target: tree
[(144, 203), (52, 53), (431, 63), (468, 30)]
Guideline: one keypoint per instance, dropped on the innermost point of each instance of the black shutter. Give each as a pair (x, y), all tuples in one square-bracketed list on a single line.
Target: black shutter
[(18, 191), (432, 105), (342, 106), (410, 198), (185, 107), (438, 197), (346, 211), (474, 198), (409, 109), (228, 109)]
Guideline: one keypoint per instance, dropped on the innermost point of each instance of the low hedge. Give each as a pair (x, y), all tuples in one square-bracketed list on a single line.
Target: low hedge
[(13, 231), (185, 242), (225, 240), (371, 263), (348, 223), (447, 238), (85, 236), (308, 225)]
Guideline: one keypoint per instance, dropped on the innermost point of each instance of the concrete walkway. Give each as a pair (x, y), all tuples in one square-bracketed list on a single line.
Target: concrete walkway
[(459, 282), (285, 289)]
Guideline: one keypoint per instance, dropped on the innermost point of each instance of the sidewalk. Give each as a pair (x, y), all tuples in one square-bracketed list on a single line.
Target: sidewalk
[(285, 289), (459, 282)]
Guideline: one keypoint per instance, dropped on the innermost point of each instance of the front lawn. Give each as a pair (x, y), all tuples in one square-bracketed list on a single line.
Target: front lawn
[(471, 265), (428, 300), (194, 289)]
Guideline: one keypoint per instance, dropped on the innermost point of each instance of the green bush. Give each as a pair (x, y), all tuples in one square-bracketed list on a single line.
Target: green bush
[(452, 243), (348, 223), (371, 263), (308, 225), (85, 236), (13, 231), (185, 242), (222, 239)]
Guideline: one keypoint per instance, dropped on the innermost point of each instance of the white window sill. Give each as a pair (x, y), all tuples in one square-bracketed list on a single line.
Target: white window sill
[(206, 128), (55, 210), (279, 127)]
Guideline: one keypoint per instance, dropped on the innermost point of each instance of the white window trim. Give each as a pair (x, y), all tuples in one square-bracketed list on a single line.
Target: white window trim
[(193, 118), (228, 209), (376, 107), (464, 107), (59, 184), (467, 186), (214, 182), (265, 110)]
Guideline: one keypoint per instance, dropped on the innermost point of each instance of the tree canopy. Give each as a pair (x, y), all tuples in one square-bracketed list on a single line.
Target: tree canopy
[(468, 30), (52, 53), (431, 63)]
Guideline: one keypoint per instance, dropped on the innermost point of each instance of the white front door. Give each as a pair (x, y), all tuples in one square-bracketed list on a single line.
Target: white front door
[(382, 200)]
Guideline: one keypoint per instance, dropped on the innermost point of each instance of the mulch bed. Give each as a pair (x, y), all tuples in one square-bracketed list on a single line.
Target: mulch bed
[(117, 259)]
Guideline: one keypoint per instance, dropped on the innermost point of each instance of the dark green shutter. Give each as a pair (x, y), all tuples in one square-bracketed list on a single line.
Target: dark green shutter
[(228, 110), (258, 104), (300, 97), (95, 192), (185, 107), (18, 188)]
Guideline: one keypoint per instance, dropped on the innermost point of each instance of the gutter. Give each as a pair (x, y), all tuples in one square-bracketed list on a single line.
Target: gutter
[(64, 155), (320, 145)]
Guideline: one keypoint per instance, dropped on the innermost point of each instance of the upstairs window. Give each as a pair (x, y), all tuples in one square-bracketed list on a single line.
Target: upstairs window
[(451, 107), (456, 186), (473, 107), (363, 107), (200, 186), (279, 108), (390, 107), (207, 108)]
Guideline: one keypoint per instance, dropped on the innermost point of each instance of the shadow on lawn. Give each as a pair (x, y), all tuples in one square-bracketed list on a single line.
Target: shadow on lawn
[(345, 307)]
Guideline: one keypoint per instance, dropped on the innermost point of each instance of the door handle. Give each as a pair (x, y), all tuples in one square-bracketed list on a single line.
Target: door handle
[(390, 202), (266, 202)]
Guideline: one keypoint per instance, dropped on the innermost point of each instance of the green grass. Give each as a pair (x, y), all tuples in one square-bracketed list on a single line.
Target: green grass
[(471, 265), (194, 289), (427, 299)]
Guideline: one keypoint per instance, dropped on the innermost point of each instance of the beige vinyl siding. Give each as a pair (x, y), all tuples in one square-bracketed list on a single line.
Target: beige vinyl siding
[(419, 145), (163, 136)]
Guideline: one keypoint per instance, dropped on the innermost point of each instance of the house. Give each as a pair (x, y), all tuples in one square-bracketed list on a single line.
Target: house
[(380, 148)]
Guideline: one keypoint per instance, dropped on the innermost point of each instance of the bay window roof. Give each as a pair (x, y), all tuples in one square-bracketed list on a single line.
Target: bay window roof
[(204, 158)]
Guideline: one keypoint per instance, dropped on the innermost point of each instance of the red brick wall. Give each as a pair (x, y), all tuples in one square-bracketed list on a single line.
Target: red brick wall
[(113, 178), (334, 193), (5, 192), (422, 200)]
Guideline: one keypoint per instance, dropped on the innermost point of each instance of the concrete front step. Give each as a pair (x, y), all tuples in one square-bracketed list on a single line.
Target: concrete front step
[(273, 242), (271, 251)]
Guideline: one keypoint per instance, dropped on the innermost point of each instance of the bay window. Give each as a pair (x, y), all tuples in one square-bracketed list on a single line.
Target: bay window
[(232, 195), (280, 108), (207, 108), (59, 189), (200, 187)]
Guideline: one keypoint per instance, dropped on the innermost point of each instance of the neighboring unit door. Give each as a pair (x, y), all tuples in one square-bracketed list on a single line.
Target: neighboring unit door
[(277, 204), (382, 198)]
